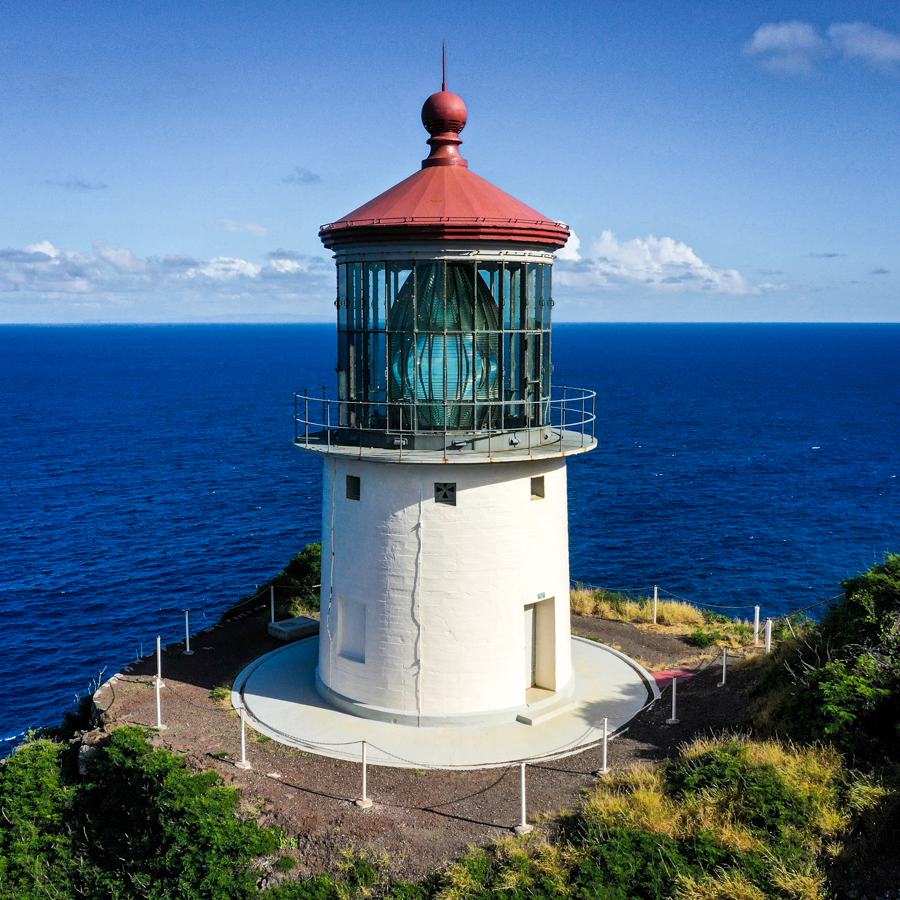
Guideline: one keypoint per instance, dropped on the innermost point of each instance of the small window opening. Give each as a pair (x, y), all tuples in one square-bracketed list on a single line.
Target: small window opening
[(537, 488), (445, 492), (353, 487)]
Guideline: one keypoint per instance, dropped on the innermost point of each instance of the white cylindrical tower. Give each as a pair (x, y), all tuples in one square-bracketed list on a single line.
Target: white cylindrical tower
[(445, 560)]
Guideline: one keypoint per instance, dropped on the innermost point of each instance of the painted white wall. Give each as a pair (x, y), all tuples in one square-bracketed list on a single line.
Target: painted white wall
[(444, 586)]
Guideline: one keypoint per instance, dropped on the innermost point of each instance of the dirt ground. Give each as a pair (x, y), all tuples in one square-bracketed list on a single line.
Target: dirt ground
[(421, 820)]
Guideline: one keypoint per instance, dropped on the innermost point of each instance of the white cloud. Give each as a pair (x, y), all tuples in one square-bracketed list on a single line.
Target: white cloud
[(224, 267), (42, 272), (857, 40), (570, 251), (649, 265), (244, 227), (120, 258), (788, 46), (44, 247), (797, 47)]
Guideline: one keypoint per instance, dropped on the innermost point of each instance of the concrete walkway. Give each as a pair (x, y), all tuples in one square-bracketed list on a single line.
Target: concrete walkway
[(280, 700)]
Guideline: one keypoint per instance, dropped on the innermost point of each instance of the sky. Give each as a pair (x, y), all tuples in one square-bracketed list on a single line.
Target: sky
[(173, 161)]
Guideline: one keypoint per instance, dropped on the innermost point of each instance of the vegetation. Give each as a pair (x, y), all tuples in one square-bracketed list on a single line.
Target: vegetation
[(701, 628), (731, 818), (838, 681), (296, 587), (140, 825)]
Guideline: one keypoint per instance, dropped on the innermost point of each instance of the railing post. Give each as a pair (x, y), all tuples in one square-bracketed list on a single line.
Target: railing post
[(327, 419), (272, 600), (159, 684), (674, 719), (523, 827), (583, 420), (755, 626), (187, 634), (243, 764), (768, 635), (604, 768), (364, 802), (306, 415), (724, 667), (655, 602)]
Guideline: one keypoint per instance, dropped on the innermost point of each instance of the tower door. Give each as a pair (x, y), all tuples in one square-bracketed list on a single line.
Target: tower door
[(530, 645)]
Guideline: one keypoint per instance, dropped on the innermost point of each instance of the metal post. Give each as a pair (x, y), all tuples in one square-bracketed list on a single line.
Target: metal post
[(523, 827), (306, 416), (605, 768), (159, 684), (674, 719), (272, 599), (364, 802), (655, 602), (755, 626), (243, 764), (768, 635), (187, 634), (724, 666)]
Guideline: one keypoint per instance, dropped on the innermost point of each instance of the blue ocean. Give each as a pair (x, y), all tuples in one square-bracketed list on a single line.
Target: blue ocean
[(146, 470)]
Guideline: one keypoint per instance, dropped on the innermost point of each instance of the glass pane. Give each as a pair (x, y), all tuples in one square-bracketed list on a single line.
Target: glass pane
[(532, 293), (342, 296), (460, 296), (381, 287), (374, 295), (546, 295), (355, 295), (512, 295)]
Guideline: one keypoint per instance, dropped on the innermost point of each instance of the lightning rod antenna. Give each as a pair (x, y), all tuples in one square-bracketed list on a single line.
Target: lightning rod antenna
[(444, 65)]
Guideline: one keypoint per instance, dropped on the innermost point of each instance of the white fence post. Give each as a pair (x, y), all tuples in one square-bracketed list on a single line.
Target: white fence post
[(364, 802), (674, 719), (604, 768), (243, 764), (655, 601), (724, 667), (187, 634), (159, 684), (523, 827), (755, 626), (768, 635), (272, 600)]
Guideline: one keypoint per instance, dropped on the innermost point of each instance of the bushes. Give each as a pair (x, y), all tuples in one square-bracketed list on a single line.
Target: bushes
[(730, 818), (840, 681), (141, 826)]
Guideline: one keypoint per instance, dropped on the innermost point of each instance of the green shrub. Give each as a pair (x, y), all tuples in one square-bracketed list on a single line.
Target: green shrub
[(703, 637), (285, 863), (139, 826), (839, 681)]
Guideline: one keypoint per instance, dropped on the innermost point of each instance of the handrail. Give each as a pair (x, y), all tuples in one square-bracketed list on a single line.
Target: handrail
[(319, 414)]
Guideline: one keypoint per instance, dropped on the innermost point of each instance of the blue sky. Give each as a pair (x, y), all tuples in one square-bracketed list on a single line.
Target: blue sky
[(172, 162)]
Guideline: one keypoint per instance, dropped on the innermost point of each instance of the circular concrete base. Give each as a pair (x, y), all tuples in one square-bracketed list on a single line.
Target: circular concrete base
[(278, 693)]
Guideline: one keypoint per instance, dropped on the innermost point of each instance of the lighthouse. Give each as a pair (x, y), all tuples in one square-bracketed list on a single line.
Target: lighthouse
[(445, 555), (444, 639)]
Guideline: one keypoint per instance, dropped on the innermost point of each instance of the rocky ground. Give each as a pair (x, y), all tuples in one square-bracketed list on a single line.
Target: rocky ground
[(420, 820)]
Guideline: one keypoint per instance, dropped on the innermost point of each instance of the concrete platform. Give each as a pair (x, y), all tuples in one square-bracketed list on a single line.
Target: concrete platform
[(280, 700), (295, 629)]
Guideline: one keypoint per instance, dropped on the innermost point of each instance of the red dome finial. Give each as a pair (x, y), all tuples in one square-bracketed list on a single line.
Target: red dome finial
[(444, 116)]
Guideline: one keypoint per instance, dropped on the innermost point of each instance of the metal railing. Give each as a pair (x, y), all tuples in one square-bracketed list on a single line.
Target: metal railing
[(324, 422)]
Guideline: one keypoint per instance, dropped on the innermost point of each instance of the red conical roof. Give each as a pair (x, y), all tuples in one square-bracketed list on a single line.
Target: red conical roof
[(444, 201)]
